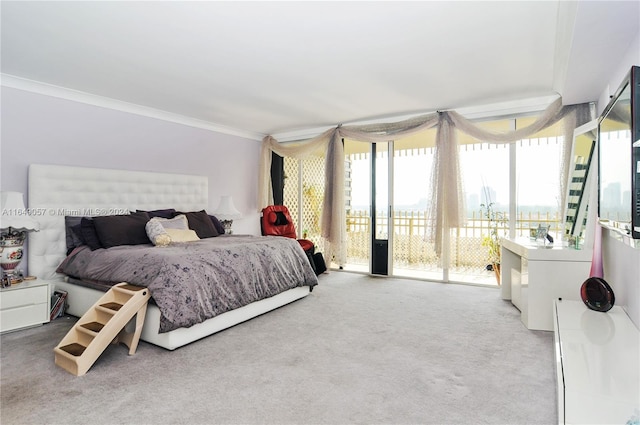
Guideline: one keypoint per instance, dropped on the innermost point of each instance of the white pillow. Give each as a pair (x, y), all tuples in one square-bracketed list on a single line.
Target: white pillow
[(182, 235), (177, 222)]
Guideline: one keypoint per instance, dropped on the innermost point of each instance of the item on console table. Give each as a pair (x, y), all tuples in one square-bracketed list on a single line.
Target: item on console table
[(597, 294)]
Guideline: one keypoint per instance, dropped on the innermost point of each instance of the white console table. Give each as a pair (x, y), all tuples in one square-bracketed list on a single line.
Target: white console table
[(534, 276), (597, 365)]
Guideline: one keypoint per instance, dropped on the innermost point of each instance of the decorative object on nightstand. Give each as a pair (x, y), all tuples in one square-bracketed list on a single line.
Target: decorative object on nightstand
[(15, 222), (226, 212)]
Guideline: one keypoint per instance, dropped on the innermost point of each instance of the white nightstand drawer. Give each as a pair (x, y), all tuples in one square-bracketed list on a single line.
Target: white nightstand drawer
[(23, 297), (21, 317), (23, 305)]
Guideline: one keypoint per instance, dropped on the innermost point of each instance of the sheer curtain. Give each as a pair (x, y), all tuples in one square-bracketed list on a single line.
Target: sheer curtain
[(447, 204)]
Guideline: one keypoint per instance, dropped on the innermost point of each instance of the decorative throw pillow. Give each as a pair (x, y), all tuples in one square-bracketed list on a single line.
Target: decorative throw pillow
[(156, 233), (181, 235), (157, 228)]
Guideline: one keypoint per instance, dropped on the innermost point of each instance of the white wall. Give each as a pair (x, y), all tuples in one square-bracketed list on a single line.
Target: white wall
[(631, 58), (621, 262), (37, 128)]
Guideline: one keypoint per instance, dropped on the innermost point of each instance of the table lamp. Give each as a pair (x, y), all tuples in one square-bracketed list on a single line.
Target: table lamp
[(226, 212), (14, 225)]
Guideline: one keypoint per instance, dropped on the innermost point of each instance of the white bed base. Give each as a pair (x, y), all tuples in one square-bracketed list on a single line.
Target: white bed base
[(56, 191), (82, 299)]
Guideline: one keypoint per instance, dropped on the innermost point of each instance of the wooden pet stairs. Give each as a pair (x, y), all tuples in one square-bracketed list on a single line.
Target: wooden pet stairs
[(102, 324)]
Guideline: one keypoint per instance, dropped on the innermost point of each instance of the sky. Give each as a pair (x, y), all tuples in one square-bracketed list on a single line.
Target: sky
[(538, 179)]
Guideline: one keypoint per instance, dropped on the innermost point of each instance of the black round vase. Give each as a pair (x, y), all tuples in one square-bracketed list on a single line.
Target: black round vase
[(597, 294)]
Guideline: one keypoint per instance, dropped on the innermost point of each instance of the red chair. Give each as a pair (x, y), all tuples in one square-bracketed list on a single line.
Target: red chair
[(276, 221)]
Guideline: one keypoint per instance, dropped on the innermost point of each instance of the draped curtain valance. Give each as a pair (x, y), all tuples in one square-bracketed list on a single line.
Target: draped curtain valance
[(447, 206)]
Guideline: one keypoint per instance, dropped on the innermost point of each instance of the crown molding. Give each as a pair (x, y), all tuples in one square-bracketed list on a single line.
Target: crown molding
[(7, 80), (516, 107)]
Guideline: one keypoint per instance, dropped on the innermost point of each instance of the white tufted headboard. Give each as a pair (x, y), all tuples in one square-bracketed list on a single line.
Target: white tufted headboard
[(56, 191)]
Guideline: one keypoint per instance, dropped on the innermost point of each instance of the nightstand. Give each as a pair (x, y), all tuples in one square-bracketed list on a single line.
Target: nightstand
[(24, 304)]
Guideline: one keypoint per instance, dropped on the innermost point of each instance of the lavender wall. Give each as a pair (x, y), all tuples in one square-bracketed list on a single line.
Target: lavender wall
[(48, 130)]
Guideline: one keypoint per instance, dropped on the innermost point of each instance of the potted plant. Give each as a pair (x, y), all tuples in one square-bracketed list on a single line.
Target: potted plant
[(497, 227)]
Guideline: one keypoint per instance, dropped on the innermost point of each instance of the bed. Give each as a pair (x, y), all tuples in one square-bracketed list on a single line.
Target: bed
[(59, 191)]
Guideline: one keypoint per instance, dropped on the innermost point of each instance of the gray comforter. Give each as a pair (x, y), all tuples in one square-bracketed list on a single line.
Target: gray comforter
[(192, 282)]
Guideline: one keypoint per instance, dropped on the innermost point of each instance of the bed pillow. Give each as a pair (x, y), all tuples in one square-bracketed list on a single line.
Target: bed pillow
[(181, 235), (177, 222), (216, 223), (72, 233), (201, 223), (116, 230), (166, 213), (88, 233)]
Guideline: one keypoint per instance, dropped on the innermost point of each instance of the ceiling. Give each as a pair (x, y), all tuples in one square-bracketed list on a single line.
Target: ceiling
[(276, 67)]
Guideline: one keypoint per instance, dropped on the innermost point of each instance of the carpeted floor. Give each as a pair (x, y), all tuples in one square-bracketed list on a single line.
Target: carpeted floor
[(358, 350)]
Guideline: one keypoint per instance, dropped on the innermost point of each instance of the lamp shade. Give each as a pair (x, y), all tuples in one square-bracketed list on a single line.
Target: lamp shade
[(14, 214), (226, 210)]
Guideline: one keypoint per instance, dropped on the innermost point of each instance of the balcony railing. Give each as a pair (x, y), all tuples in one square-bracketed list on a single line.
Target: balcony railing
[(414, 249)]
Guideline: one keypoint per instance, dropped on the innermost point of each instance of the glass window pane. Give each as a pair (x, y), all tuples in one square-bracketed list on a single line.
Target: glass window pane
[(358, 200), (382, 191), (413, 252), (485, 177), (538, 185)]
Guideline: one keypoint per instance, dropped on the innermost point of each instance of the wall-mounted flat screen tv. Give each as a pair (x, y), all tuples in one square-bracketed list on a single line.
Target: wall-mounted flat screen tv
[(619, 158)]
